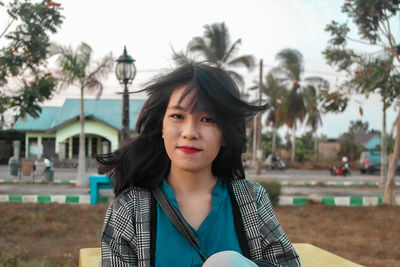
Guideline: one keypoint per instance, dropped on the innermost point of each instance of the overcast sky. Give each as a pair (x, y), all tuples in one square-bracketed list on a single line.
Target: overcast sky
[(150, 28)]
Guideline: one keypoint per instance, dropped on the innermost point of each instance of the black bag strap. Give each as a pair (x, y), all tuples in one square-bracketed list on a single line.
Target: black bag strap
[(178, 221)]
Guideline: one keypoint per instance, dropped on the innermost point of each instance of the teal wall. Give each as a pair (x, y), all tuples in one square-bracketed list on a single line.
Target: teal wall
[(373, 142)]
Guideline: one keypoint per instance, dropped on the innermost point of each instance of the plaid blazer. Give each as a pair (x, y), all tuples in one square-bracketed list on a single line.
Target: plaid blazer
[(128, 237)]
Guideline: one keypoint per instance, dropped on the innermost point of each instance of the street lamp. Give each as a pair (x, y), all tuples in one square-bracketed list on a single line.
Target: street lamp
[(125, 71)]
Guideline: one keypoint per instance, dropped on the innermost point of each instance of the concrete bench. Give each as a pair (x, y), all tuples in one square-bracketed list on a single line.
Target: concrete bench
[(98, 182), (310, 256)]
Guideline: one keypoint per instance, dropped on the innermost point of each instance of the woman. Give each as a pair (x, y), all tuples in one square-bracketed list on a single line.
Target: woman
[(191, 137)]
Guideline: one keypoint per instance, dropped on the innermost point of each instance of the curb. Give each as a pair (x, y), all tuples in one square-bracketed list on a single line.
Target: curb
[(301, 183), (332, 201), (37, 181), (61, 199), (335, 183), (283, 200)]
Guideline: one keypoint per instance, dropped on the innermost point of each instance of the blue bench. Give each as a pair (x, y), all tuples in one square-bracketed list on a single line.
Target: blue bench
[(98, 182)]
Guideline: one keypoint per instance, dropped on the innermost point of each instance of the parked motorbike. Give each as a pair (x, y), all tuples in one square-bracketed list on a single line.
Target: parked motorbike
[(274, 163), (340, 170)]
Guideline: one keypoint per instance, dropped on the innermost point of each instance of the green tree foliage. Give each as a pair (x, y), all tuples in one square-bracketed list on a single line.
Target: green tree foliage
[(304, 147), (24, 81), (267, 140), (374, 73), (348, 146), (76, 69), (215, 46), (298, 100), (358, 126), (274, 90)]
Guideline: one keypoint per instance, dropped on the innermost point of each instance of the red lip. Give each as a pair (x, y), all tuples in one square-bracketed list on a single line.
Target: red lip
[(189, 149)]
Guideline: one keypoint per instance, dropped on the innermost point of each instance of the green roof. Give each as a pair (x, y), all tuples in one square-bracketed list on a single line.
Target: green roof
[(107, 111)]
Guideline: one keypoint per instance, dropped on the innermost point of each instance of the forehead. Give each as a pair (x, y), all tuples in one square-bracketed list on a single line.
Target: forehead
[(189, 98), (181, 97)]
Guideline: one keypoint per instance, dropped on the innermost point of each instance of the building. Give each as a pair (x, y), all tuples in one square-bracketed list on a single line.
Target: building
[(56, 132), (331, 148)]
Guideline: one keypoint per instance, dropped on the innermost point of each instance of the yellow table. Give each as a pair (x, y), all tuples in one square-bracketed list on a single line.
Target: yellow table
[(310, 256), (89, 257)]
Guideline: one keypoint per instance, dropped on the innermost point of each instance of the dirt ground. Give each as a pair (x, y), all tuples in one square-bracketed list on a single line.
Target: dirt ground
[(52, 234)]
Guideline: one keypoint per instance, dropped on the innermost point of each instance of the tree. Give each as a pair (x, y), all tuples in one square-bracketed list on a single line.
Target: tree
[(275, 91), (358, 126), (292, 108), (24, 80), (76, 69), (373, 19), (267, 140), (215, 46), (313, 118), (348, 146), (304, 147)]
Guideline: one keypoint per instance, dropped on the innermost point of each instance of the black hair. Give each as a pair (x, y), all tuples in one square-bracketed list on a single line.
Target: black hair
[(144, 162)]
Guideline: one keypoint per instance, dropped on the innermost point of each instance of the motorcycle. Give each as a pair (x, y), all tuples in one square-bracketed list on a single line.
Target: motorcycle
[(274, 163), (340, 171)]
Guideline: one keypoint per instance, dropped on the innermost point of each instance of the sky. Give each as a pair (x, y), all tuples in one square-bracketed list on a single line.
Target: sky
[(150, 29)]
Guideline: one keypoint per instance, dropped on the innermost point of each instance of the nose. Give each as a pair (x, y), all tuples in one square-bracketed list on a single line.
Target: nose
[(190, 130)]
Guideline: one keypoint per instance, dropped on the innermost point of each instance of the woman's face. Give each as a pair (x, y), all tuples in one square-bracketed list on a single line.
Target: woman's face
[(192, 139)]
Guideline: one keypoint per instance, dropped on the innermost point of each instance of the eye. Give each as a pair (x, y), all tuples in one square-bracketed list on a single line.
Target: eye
[(208, 119), (177, 116)]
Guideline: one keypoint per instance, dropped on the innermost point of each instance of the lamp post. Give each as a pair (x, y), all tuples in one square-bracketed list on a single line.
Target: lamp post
[(125, 71)]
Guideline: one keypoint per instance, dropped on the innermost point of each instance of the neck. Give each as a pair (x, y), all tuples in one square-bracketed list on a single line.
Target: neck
[(183, 182)]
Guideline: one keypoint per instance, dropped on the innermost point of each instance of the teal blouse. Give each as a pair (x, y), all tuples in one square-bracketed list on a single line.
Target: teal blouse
[(216, 233)]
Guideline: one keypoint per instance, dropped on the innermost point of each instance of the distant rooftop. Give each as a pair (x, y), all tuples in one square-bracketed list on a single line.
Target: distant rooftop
[(108, 111)]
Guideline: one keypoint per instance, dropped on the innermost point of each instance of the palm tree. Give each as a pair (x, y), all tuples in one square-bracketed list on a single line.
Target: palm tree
[(215, 46), (313, 101), (75, 69), (293, 106), (275, 91)]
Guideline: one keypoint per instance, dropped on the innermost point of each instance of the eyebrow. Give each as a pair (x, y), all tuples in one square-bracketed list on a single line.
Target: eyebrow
[(177, 107)]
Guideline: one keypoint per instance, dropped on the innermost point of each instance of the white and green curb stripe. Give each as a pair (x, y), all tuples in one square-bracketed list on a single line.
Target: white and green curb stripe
[(62, 199), (10, 181), (333, 201), (334, 183), (290, 183), (283, 200)]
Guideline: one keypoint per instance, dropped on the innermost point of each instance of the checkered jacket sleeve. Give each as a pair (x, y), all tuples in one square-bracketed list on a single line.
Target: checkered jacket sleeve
[(266, 238), (125, 239)]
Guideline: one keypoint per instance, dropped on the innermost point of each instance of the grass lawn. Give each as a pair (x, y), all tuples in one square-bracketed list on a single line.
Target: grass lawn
[(52, 234)]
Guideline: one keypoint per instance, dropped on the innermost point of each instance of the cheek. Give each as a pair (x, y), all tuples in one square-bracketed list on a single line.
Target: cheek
[(169, 135), (216, 138)]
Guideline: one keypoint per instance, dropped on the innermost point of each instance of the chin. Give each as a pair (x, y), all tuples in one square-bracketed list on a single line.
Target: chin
[(191, 167)]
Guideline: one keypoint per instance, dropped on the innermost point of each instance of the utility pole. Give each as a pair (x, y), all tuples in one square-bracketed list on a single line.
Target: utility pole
[(259, 152), (255, 140)]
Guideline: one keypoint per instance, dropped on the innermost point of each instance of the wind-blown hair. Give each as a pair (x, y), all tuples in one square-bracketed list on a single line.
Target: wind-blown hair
[(144, 162)]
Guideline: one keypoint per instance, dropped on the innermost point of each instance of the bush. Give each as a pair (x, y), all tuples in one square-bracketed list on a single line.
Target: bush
[(274, 190)]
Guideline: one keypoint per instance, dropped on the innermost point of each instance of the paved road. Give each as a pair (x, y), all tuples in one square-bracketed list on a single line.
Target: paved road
[(42, 189), (310, 175), (333, 191), (59, 174), (287, 175)]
